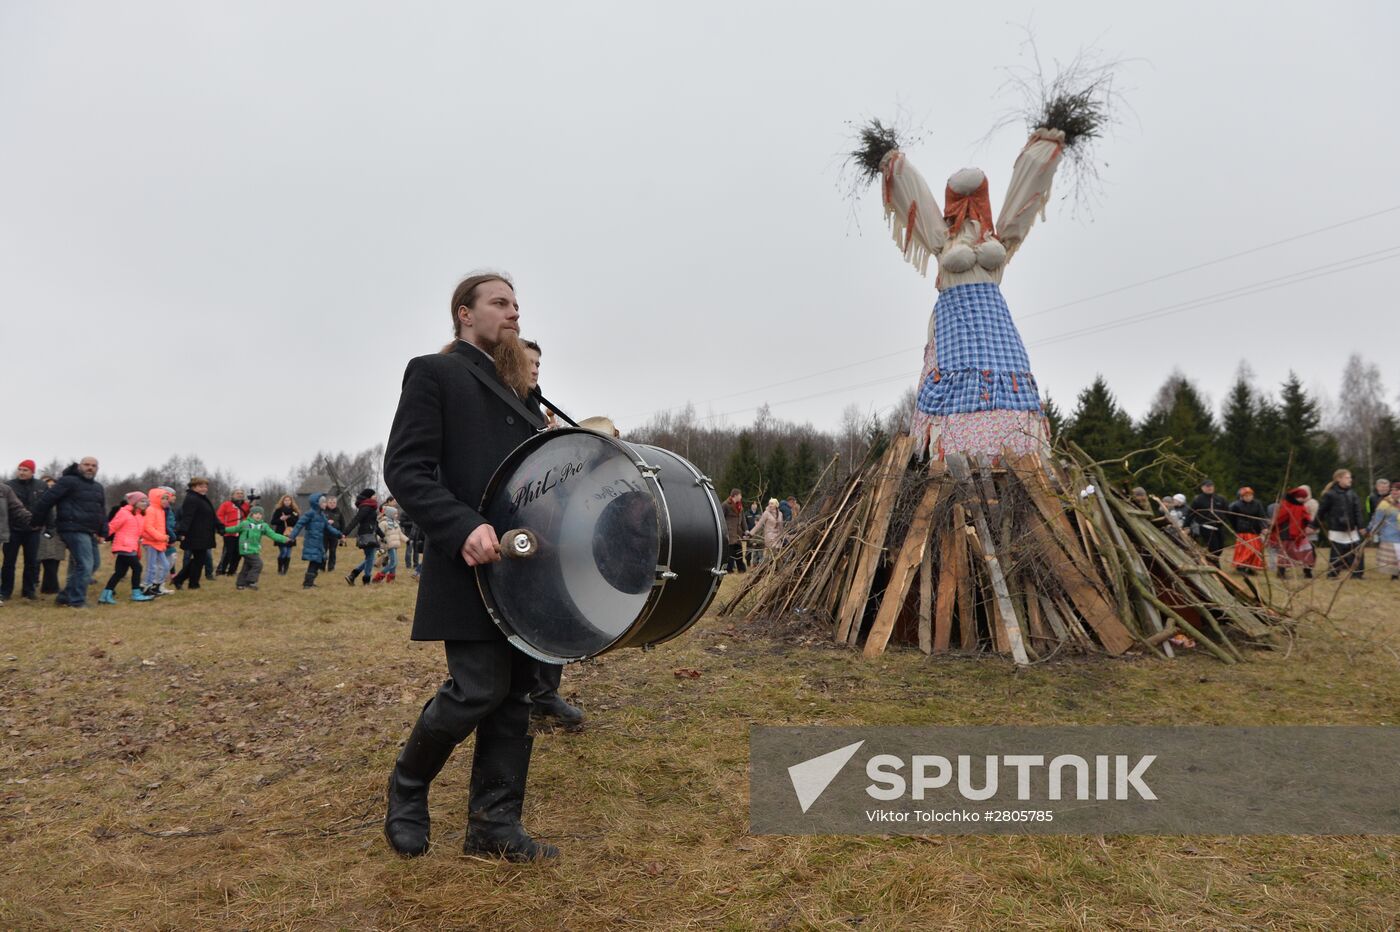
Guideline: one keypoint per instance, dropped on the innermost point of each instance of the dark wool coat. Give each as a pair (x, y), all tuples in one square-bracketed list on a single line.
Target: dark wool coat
[(449, 435), (198, 525), (1340, 510), (81, 504), (1248, 517)]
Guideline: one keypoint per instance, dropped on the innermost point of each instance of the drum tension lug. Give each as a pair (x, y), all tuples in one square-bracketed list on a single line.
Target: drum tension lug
[(664, 575), (718, 572), (651, 472)]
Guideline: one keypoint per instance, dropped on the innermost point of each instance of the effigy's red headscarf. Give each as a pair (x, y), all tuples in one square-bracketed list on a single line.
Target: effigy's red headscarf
[(958, 208)]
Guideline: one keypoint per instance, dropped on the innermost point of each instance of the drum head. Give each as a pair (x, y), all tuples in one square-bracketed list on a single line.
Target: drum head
[(599, 522)]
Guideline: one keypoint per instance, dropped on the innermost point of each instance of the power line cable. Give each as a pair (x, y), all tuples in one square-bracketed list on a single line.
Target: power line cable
[(1384, 255), (1083, 300)]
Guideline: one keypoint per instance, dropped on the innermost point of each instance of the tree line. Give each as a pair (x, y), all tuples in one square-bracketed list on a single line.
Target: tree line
[(1266, 439)]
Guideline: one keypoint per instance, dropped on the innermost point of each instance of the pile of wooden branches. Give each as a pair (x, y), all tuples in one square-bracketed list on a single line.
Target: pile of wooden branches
[(1024, 558)]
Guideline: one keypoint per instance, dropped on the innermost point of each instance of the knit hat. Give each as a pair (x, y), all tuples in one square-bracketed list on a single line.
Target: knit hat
[(255, 510), (366, 493), (391, 511), (1206, 482), (27, 464), (133, 497), (1244, 489)]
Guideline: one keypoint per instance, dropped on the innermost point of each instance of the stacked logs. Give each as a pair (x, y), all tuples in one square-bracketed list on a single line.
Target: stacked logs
[(1026, 558)]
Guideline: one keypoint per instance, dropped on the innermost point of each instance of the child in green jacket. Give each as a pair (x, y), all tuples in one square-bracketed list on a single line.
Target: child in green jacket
[(251, 530)]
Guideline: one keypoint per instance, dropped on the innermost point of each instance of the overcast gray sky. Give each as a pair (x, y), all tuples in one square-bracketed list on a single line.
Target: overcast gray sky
[(225, 227)]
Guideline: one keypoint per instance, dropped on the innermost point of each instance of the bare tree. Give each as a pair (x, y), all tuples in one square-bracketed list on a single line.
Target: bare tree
[(1358, 413)]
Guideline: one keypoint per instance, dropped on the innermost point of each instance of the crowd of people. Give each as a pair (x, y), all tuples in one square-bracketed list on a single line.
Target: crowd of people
[(750, 534), (49, 518), (1285, 535)]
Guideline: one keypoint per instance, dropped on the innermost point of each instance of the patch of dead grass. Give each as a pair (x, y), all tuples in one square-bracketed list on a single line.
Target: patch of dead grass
[(217, 759)]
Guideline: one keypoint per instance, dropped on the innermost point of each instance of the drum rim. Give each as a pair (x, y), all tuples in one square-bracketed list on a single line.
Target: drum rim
[(663, 549), (717, 572)]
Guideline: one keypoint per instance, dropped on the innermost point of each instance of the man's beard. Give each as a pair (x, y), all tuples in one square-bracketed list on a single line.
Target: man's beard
[(513, 364)]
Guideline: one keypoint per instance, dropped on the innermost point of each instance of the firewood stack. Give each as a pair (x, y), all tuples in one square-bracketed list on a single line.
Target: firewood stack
[(1025, 558)]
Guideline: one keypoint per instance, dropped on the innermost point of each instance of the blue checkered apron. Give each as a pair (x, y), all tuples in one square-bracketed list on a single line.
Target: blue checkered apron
[(981, 361)]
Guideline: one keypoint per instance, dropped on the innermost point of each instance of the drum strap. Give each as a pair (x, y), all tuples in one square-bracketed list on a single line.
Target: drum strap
[(511, 398)]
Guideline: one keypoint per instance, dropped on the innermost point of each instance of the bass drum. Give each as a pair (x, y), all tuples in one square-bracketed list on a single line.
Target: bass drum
[(627, 545)]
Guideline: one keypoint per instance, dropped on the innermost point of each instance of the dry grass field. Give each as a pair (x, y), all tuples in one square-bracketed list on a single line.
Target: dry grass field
[(217, 760)]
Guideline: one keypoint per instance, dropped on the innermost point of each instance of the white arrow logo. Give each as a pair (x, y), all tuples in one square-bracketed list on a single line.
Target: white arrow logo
[(811, 777)]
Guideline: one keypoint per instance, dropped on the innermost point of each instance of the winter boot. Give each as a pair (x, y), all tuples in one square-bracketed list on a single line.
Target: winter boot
[(551, 705), (406, 824), (389, 577), (499, 769), (365, 579), (107, 598), (379, 576), (352, 575), (139, 595)]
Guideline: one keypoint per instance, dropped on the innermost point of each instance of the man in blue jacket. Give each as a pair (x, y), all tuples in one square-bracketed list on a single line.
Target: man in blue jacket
[(82, 521)]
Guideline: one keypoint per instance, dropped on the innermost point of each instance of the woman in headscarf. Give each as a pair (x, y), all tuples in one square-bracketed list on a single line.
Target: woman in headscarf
[(1288, 535), (1248, 519)]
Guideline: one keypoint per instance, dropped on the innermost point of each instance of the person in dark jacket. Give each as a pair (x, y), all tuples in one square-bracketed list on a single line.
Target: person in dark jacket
[(81, 503), (1249, 519), (1380, 494), (1339, 511), (411, 550), (24, 540), (315, 525), (460, 413), (51, 549), (334, 537), (230, 513), (197, 530), (283, 517), (1207, 519), (13, 516), (365, 527)]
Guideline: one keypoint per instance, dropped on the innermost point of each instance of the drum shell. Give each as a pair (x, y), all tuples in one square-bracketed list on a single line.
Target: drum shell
[(697, 549), (688, 553)]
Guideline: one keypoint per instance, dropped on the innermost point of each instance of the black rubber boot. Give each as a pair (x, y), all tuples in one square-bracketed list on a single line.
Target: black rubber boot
[(552, 705), (351, 576), (406, 824), (499, 769), (365, 579)]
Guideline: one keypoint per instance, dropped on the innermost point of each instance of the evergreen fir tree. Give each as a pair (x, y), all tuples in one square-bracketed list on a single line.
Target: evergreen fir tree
[(777, 472), (1239, 426), (743, 471), (804, 471), (1315, 452), (1180, 414), (1053, 416), (1099, 426)]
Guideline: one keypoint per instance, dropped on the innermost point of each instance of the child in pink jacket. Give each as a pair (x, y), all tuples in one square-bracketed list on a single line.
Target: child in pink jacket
[(126, 527)]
